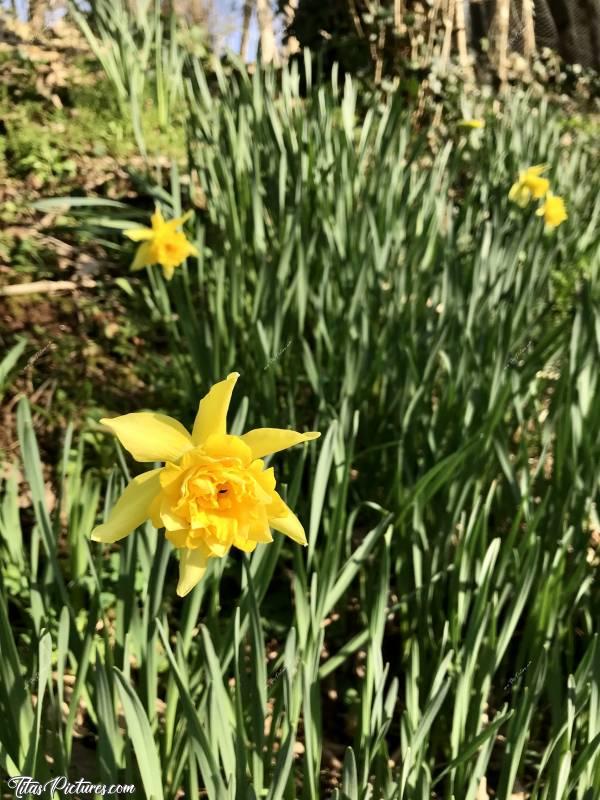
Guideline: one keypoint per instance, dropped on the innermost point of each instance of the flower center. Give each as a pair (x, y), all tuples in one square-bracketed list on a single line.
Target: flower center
[(216, 497)]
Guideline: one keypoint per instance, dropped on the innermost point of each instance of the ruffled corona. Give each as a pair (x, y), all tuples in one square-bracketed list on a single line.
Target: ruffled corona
[(213, 493)]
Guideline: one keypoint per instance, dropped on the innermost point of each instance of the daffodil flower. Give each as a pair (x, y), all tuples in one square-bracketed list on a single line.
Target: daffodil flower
[(161, 244), (553, 211), (530, 185), (472, 123), (212, 493)]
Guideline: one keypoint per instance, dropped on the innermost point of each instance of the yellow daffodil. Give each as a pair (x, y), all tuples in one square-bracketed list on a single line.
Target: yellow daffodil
[(530, 185), (161, 244), (212, 493), (553, 211), (472, 123)]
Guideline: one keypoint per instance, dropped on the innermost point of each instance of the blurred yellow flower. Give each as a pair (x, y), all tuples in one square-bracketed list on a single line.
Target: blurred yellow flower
[(161, 244), (213, 492), (553, 211), (529, 185), (472, 123)]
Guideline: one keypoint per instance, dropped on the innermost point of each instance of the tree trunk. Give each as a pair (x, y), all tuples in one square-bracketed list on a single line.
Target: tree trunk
[(200, 11), (499, 37), (268, 46), (461, 39), (379, 56), (397, 15), (528, 29), (449, 14), (247, 10), (37, 13)]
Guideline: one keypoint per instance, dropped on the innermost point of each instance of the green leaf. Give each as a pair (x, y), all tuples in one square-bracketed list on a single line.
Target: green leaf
[(140, 734)]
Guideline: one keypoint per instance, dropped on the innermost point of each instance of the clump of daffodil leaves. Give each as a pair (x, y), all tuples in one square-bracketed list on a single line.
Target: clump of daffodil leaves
[(531, 185), (161, 244), (212, 493)]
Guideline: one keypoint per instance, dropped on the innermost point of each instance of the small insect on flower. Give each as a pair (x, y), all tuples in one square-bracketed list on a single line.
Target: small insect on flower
[(212, 493), (472, 123), (161, 244), (530, 185), (553, 211)]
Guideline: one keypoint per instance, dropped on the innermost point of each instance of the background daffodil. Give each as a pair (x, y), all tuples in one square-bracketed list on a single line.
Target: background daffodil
[(530, 185), (476, 124), (553, 211), (213, 492), (161, 244)]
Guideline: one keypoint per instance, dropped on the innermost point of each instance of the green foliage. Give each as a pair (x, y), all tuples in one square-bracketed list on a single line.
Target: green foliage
[(48, 143), (442, 624), (142, 51)]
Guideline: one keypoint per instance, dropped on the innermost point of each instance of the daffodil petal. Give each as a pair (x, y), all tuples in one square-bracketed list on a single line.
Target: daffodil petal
[(157, 219), (218, 549), (538, 187), (178, 538), (264, 441), (262, 535), (138, 234), (149, 436), (226, 446), (143, 256), (192, 567), (212, 412), (247, 545), (170, 522), (177, 222), (290, 525), (154, 511), (131, 509)]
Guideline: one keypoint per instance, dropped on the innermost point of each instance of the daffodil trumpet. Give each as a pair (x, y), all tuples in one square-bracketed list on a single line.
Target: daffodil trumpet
[(212, 493)]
